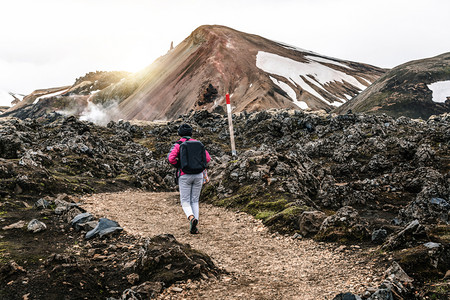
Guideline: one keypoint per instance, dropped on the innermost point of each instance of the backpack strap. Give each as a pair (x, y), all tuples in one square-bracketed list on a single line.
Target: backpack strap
[(177, 171)]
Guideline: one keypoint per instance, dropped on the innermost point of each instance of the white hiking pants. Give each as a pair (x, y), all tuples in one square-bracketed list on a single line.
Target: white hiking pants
[(190, 188)]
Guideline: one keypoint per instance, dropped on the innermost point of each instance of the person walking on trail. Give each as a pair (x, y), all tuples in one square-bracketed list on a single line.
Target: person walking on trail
[(190, 157)]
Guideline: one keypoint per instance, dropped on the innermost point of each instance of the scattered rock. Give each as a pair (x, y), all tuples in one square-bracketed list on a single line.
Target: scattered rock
[(344, 225), (105, 227), (148, 289), (176, 289), (379, 236), (16, 225), (10, 268), (395, 272), (410, 236), (310, 222), (133, 278), (42, 204), (347, 296), (80, 220), (36, 226), (163, 250)]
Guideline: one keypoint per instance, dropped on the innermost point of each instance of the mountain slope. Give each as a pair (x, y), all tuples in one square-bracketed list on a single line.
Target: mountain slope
[(417, 89), (257, 72), (68, 99)]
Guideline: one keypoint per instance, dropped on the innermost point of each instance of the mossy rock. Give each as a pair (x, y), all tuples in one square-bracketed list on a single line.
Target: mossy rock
[(419, 264), (286, 221), (342, 234)]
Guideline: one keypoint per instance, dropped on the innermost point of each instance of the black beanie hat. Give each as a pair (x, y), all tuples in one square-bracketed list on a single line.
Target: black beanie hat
[(185, 130)]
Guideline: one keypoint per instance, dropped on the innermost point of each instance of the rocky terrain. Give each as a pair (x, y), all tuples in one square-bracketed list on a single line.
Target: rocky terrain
[(407, 90), (372, 181)]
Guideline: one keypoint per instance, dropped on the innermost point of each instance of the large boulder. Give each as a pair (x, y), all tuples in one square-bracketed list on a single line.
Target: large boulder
[(164, 259), (429, 207), (310, 222), (345, 225), (409, 236)]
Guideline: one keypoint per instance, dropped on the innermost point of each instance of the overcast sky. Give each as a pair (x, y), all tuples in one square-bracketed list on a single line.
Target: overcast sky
[(49, 43)]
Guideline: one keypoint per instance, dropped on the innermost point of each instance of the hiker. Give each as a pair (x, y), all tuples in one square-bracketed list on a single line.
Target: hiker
[(189, 172)]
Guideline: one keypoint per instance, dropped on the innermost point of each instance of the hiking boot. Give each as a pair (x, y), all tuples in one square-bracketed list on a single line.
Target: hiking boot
[(194, 223)]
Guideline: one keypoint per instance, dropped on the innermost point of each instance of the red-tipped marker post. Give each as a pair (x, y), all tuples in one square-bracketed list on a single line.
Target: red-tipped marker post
[(230, 125)]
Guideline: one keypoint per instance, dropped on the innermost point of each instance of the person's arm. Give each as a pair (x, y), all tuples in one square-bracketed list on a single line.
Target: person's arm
[(173, 154), (208, 158)]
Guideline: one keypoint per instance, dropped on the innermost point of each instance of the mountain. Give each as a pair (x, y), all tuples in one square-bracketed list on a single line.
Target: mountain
[(214, 60), (417, 89), (257, 72), (69, 99)]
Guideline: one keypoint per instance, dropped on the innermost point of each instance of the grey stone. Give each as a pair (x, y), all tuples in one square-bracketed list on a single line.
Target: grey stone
[(382, 294), (17, 225), (310, 222), (104, 227), (36, 226), (80, 219), (439, 201), (347, 296), (431, 245), (42, 203), (379, 236), (396, 273)]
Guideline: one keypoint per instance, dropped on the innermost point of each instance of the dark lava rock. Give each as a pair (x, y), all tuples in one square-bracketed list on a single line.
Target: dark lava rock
[(36, 226), (410, 236), (347, 296), (310, 222), (105, 227), (345, 225), (379, 236), (164, 259), (81, 219)]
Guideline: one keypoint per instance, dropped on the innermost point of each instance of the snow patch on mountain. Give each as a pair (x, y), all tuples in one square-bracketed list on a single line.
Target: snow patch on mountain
[(441, 90), (291, 93), (326, 60), (58, 93), (306, 74)]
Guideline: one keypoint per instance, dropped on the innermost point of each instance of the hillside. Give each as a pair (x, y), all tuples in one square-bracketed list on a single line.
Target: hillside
[(70, 100), (257, 72), (417, 89)]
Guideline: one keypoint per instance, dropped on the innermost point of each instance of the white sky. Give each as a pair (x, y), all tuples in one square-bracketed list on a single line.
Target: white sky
[(49, 43)]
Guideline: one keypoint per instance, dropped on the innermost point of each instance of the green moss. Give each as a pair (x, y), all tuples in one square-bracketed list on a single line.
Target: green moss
[(256, 206), (263, 215)]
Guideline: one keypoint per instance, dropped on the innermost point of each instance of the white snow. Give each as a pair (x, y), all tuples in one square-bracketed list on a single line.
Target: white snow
[(49, 95), (327, 61), (441, 90), (348, 97), (292, 70), (291, 47), (336, 103), (291, 93)]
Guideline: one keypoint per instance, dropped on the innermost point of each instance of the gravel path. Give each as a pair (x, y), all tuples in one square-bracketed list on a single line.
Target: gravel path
[(261, 265)]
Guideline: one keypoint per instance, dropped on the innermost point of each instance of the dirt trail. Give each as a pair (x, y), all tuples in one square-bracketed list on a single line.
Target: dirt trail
[(261, 265)]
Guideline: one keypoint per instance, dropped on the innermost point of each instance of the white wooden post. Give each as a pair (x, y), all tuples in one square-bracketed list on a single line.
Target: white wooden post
[(230, 125)]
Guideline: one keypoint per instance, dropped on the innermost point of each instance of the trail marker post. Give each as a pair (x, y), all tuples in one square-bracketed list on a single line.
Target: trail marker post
[(230, 125)]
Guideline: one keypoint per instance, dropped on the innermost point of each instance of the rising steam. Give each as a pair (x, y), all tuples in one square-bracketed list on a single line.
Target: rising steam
[(100, 114)]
